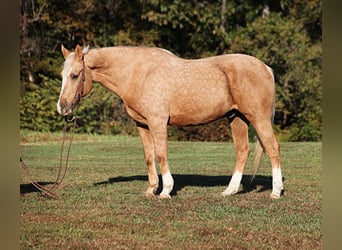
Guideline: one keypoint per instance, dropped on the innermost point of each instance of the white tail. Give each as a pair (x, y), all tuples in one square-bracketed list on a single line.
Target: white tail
[(259, 149)]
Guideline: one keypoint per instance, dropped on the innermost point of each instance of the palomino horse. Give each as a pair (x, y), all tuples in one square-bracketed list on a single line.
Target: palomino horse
[(160, 89)]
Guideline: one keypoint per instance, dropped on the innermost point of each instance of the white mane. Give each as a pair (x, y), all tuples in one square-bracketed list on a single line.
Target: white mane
[(85, 50)]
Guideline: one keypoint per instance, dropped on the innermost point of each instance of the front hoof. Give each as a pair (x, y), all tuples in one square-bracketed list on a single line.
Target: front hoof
[(224, 194), (274, 196), (230, 191), (149, 194), (165, 196)]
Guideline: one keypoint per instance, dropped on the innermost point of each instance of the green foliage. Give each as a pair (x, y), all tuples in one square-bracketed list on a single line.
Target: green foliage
[(102, 112), (284, 45), (38, 107), (284, 34), (192, 32), (95, 113)]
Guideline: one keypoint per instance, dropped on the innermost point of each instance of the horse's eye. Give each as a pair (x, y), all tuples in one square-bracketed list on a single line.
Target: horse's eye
[(74, 76)]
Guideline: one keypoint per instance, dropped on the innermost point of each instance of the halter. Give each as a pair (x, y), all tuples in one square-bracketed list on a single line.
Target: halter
[(80, 87)]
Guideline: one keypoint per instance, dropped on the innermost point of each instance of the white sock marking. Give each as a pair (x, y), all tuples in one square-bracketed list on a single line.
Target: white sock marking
[(277, 182), (167, 183), (234, 184)]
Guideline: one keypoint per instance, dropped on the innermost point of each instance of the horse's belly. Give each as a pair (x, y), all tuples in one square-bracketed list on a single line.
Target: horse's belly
[(187, 116), (180, 120), (200, 103)]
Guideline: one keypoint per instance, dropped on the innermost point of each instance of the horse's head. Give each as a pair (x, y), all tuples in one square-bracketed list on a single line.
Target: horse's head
[(76, 80)]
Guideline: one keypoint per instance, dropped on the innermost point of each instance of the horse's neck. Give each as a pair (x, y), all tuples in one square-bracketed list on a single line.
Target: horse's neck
[(111, 68)]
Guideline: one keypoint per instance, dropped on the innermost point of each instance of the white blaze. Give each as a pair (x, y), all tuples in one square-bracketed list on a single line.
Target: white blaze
[(65, 73)]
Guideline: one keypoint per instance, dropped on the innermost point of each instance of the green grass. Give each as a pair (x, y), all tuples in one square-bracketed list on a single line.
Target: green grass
[(102, 205)]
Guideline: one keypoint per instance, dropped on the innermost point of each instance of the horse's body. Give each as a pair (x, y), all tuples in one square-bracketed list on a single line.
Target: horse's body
[(160, 89)]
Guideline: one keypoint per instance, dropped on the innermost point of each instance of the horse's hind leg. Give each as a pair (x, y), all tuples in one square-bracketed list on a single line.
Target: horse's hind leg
[(147, 142), (240, 136), (269, 141)]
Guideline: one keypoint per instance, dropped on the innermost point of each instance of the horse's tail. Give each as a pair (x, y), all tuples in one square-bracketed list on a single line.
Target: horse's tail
[(259, 149)]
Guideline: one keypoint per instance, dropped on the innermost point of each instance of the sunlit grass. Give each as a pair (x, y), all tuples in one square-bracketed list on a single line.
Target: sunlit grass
[(102, 205)]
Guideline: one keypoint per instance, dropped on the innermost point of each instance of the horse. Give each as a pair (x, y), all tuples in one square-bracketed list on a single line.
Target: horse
[(159, 89)]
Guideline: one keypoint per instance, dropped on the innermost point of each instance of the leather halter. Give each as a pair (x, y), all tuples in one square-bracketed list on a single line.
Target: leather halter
[(80, 87)]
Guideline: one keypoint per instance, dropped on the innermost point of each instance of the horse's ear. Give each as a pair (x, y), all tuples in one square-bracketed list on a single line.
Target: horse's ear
[(65, 52), (78, 52)]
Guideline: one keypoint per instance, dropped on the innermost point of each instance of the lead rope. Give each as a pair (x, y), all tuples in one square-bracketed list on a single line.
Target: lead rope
[(61, 171)]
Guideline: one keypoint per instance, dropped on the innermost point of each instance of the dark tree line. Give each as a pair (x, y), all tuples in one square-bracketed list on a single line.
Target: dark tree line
[(284, 34)]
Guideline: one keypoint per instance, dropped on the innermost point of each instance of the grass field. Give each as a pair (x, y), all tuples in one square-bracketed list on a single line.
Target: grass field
[(102, 205)]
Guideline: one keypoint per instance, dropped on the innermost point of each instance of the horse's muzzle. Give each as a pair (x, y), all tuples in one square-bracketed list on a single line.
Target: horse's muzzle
[(66, 109), (63, 109)]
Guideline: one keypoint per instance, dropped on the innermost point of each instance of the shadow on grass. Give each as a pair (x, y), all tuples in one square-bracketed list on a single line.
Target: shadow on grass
[(260, 183), (30, 188)]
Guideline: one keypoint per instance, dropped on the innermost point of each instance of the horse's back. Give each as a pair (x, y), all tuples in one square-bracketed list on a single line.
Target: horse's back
[(195, 91), (215, 85)]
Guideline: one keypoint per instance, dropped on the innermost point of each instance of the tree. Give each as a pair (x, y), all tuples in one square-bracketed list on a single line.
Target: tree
[(285, 46), (284, 34)]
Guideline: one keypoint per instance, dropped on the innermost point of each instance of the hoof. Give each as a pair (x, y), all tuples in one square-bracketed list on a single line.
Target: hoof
[(229, 191), (165, 196), (224, 194), (149, 195), (274, 196)]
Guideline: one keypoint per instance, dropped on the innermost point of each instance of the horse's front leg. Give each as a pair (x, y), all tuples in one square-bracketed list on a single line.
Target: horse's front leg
[(149, 154), (158, 130)]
